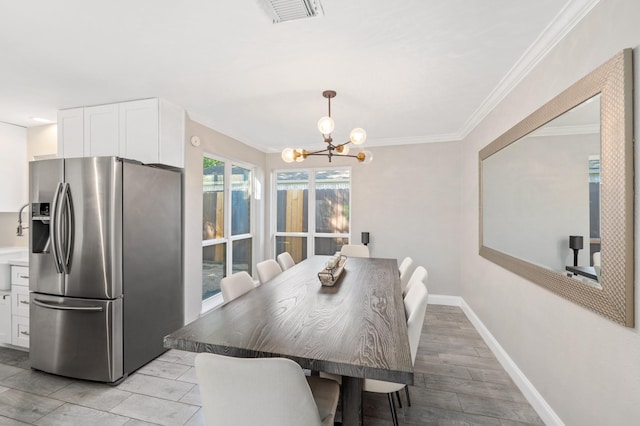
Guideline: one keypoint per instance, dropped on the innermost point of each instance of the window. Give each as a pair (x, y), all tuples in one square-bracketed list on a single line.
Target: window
[(226, 222), (315, 221)]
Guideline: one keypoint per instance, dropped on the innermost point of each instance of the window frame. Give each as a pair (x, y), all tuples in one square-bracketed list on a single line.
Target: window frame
[(228, 238), (311, 233)]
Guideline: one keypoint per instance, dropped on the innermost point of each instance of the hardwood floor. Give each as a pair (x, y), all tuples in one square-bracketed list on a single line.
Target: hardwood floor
[(457, 382)]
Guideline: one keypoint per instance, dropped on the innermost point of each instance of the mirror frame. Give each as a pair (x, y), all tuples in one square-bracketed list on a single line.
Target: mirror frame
[(614, 81)]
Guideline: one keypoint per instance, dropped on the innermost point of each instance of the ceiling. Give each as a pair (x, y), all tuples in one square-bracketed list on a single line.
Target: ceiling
[(408, 71)]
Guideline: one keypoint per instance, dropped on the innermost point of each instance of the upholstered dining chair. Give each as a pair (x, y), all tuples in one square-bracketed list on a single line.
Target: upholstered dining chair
[(236, 285), (415, 305), (355, 250), (267, 269), (419, 275), (263, 391), (285, 260), (404, 267)]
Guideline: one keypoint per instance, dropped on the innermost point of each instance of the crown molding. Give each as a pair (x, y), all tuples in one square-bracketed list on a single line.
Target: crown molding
[(567, 18)]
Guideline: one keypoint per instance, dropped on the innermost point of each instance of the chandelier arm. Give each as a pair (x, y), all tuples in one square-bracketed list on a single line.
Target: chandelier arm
[(320, 152), (343, 144)]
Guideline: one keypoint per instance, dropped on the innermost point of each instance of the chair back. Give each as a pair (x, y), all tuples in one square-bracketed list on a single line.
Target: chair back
[(236, 285), (415, 305), (285, 260), (419, 275), (355, 250), (268, 269), (404, 267), (254, 391)]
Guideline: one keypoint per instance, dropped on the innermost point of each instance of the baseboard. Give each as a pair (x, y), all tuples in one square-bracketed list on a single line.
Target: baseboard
[(544, 410)]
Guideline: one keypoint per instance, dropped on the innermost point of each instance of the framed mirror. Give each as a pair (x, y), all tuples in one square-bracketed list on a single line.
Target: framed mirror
[(556, 193)]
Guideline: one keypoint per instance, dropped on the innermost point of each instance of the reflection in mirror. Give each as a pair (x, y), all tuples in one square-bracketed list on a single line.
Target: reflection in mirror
[(543, 188), (556, 194)]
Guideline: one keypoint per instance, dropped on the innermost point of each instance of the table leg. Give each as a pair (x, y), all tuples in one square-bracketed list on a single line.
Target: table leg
[(351, 401)]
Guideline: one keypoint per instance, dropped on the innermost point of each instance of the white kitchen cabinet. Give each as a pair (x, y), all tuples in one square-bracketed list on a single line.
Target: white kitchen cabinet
[(13, 168), (71, 133), (139, 130), (101, 136), (20, 306), (147, 130), (20, 332), (5, 317)]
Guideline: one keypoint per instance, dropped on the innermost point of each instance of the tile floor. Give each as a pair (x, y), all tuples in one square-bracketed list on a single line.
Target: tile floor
[(457, 382)]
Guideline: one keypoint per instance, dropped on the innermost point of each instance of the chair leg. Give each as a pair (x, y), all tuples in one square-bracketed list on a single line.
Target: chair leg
[(393, 409), (406, 390), (399, 401)]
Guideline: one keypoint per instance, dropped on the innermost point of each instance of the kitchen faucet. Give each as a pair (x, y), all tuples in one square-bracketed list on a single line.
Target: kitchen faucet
[(20, 227)]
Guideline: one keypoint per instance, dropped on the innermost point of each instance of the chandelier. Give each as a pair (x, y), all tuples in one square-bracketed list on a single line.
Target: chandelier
[(325, 126)]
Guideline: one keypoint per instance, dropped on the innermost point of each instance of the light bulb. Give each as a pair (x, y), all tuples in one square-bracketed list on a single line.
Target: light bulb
[(342, 149), (326, 125), (365, 157), (287, 155), (358, 136)]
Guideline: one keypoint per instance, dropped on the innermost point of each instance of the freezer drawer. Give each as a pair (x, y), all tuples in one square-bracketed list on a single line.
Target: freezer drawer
[(80, 338)]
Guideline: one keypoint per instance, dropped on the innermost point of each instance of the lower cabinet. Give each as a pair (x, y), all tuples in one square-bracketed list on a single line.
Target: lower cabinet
[(20, 331), (5, 318), (20, 306)]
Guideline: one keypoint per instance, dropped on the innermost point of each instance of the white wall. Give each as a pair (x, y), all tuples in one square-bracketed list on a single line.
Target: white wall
[(215, 143), (408, 199), (41, 140), (585, 366)]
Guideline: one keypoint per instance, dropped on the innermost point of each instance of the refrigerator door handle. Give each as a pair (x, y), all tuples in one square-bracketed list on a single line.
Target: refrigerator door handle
[(68, 228), (68, 308), (53, 228)]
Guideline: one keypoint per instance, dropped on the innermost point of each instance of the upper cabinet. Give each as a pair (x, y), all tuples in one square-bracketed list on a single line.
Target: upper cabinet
[(13, 167), (148, 130)]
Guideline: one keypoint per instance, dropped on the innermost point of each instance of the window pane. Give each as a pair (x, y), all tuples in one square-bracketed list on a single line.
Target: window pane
[(332, 201), (214, 265), (212, 199), (292, 201), (240, 201), (329, 245), (241, 256), (296, 246)]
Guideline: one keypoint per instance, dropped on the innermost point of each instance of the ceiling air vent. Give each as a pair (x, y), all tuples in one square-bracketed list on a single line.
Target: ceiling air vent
[(289, 10)]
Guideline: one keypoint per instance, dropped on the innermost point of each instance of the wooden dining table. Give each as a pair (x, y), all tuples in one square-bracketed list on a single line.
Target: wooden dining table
[(356, 328)]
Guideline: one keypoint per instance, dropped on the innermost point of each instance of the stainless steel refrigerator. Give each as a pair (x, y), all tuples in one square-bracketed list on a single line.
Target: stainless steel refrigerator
[(105, 265)]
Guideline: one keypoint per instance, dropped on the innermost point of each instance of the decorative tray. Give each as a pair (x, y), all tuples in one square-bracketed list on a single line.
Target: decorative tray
[(329, 276)]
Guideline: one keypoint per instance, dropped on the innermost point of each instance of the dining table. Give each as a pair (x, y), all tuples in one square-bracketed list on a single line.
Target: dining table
[(355, 328)]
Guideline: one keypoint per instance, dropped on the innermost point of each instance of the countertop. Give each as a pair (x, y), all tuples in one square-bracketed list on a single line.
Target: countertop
[(20, 261)]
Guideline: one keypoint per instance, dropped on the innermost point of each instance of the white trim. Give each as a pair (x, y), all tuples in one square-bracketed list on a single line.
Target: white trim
[(211, 303), (544, 410)]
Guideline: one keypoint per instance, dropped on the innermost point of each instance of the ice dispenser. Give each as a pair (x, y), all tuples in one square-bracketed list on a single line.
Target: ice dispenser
[(40, 229)]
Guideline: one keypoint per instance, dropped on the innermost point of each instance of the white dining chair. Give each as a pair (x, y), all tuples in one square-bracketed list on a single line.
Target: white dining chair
[(285, 260), (597, 265), (355, 250), (263, 391), (419, 275), (415, 305), (267, 269), (404, 267), (236, 285)]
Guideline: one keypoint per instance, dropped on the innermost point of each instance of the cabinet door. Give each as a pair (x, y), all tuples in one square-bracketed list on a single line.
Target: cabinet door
[(5, 318), (171, 144), (13, 169), (139, 130), (20, 331), (20, 300), (101, 131), (71, 133)]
